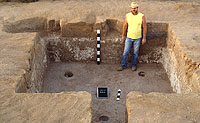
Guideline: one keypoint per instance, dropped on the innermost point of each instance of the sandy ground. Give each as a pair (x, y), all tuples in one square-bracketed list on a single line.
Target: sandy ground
[(87, 77), (184, 19)]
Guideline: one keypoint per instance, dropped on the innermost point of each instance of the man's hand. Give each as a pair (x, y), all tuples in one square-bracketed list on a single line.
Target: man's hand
[(143, 41), (124, 31), (123, 39), (144, 26)]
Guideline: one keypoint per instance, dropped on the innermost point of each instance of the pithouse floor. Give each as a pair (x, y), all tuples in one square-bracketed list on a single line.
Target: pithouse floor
[(87, 77)]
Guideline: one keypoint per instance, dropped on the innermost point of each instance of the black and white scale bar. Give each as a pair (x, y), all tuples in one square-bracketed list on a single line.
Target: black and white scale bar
[(98, 47), (118, 95)]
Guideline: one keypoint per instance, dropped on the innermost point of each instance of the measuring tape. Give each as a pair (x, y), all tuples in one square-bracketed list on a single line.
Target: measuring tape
[(118, 95), (98, 47)]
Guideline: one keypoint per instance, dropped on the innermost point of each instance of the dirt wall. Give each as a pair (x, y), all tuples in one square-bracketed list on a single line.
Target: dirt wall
[(32, 81), (180, 69), (73, 45)]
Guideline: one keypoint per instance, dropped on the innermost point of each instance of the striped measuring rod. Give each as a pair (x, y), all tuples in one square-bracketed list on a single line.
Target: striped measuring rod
[(118, 95), (98, 47)]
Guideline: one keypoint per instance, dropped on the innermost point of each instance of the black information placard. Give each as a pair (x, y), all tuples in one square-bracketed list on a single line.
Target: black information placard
[(102, 92)]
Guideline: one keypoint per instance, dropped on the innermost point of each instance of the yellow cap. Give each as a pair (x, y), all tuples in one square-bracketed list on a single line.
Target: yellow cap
[(134, 5)]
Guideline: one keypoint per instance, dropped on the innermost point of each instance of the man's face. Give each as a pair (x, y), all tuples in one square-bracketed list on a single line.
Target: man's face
[(134, 10)]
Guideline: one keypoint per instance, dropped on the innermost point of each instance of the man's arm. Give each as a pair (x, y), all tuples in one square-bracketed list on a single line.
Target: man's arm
[(144, 27), (124, 30)]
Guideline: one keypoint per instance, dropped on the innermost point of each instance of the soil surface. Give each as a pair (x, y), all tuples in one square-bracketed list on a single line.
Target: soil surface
[(87, 77), (183, 19)]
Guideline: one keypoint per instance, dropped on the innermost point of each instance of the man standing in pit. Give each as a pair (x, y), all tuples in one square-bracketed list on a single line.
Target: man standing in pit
[(134, 32)]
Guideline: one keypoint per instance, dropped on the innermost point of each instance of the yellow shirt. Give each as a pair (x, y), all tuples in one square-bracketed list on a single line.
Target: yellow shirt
[(134, 25)]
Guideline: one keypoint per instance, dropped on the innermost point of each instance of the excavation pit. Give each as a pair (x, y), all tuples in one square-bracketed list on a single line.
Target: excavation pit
[(65, 49), (78, 55)]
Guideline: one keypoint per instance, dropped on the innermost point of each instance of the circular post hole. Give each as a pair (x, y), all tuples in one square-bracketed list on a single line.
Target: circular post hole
[(68, 74)]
